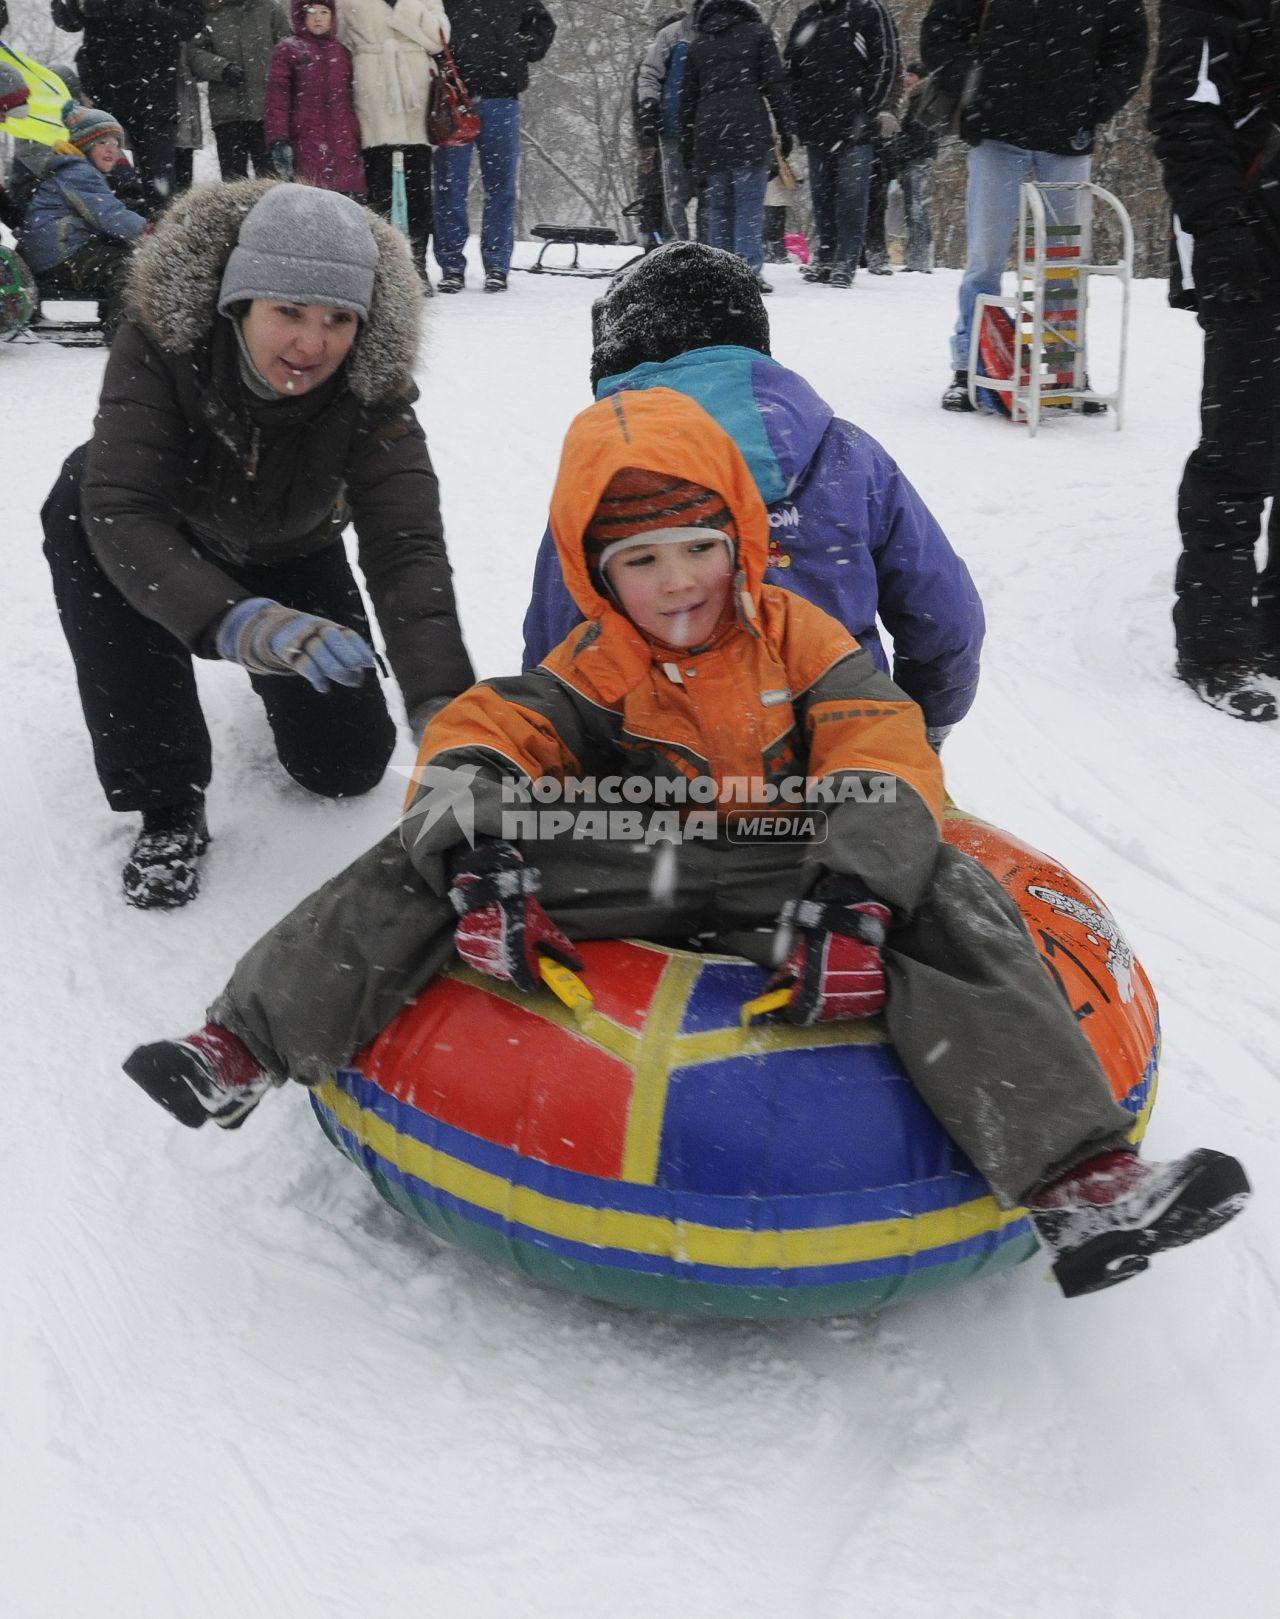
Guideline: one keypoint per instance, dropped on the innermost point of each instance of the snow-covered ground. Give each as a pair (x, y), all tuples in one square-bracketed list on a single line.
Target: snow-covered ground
[(236, 1385)]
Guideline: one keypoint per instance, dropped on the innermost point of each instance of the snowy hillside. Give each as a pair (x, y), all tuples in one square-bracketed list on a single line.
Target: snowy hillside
[(237, 1386)]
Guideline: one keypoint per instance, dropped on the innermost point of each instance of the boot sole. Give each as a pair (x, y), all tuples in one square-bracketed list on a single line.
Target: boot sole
[(175, 1096), (1214, 1193), (154, 1073)]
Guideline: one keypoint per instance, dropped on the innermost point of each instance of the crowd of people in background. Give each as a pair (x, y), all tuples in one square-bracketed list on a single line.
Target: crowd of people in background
[(732, 126), (731, 129), (333, 93)]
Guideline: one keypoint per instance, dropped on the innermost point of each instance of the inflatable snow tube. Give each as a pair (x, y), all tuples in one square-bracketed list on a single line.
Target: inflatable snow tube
[(656, 1154)]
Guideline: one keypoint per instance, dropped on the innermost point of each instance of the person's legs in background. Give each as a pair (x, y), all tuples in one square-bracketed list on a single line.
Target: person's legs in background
[(1222, 638), (852, 182), (996, 171), (917, 203), (875, 252), (677, 192), (822, 190), (775, 234), (748, 188), (451, 175), (153, 148), (234, 149), (717, 205), (378, 169), (498, 146)]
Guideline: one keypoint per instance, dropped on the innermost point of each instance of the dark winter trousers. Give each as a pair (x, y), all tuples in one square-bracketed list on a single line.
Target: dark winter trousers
[(989, 1042), (839, 183), (95, 271), (875, 251), (153, 146), (138, 689), (1226, 611), (417, 186), (241, 143)]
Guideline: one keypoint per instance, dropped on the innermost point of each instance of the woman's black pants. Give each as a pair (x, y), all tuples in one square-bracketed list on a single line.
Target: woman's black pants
[(138, 688)]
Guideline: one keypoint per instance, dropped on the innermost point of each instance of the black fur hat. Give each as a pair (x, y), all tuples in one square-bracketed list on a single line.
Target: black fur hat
[(679, 297)]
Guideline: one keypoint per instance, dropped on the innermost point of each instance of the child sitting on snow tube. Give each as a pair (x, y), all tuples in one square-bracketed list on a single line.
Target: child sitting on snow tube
[(692, 682)]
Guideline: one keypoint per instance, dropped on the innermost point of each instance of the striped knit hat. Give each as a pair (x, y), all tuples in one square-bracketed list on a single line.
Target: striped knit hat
[(88, 125), (638, 502)]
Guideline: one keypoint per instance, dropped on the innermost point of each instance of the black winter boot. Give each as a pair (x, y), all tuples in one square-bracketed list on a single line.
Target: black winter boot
[(956, 396), (210, 1074), (1103, 1220), (1231, 687), (161, 872)]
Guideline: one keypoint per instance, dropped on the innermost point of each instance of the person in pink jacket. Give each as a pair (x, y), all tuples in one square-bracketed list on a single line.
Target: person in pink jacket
[(310, 120)]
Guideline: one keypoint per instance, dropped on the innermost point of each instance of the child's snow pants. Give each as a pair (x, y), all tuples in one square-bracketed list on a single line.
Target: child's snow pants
[(987, 1039)]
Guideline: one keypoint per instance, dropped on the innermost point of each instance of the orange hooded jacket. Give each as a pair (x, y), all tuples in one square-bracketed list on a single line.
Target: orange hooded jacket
[(783, 692)]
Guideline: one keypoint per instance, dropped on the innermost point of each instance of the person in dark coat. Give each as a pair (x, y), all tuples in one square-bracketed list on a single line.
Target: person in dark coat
[(842, 68), (1212, 114), (660, 219), (257, 400), (232, 55), (493, 43), (658, 83), (733, 98), (129, 62), (1034, 81), (310, 125)]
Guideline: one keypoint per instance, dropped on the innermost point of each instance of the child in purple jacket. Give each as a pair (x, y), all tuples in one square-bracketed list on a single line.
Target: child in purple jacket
[(310, 120)]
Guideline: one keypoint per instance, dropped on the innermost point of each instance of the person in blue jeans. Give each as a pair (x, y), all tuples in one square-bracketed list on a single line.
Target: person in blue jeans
[(493, 42), (732, 99), (842, 64), (1033, 82)]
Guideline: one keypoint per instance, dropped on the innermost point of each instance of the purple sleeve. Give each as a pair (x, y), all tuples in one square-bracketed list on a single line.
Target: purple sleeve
[(926, 598), (551, 613)]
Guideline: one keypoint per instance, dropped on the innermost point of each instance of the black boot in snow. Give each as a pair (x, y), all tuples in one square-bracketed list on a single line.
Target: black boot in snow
[(211, 1074), (1104, 1219), (956, 396), (1231, 687), (162, 872)]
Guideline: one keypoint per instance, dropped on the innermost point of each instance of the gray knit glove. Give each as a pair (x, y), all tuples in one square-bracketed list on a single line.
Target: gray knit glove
[(268, 639), (936, 735)]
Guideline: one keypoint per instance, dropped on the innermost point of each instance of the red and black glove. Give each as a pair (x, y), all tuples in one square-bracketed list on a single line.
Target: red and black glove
[(502, 929), (834, 960)]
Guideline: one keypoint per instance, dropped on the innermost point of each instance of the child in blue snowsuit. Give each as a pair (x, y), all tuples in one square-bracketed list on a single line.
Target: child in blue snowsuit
[(77, 234)]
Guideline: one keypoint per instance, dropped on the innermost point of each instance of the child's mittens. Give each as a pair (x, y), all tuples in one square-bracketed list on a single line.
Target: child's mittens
[(281, 155), (834, 939), (502, 927)]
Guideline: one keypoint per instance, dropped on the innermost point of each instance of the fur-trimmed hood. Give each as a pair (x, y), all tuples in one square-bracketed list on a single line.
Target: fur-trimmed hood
[(177, 273)]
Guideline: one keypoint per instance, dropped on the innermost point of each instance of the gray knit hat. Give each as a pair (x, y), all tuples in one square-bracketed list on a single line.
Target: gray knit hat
[(302, 245)]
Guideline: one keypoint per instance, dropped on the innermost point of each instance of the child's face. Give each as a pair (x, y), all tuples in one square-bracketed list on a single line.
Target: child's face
[(318, 19), (676, 593), (105, 154)]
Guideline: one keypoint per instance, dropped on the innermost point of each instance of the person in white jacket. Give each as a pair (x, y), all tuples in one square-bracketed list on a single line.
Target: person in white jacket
[(392, 43)]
